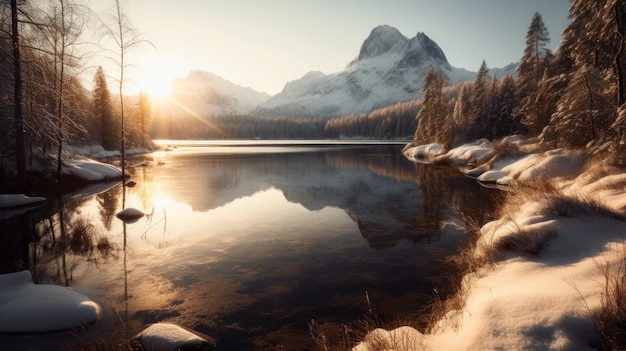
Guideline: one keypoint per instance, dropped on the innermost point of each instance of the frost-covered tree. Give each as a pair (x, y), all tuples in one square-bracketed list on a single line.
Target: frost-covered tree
[(462, 113), (433, 124), (103, 111), (530, 71), (479, 103), (501, 103), (584, 113)]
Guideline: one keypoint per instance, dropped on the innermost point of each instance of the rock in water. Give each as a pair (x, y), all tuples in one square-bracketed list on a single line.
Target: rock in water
[(169, 336), (129, 215)]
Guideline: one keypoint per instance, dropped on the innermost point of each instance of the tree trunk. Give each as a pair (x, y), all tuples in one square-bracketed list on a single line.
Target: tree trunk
[(19, 122), (619, 12)]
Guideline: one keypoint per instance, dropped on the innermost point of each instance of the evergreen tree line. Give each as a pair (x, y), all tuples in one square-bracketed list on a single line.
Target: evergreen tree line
[(395, 121), (573, 98)]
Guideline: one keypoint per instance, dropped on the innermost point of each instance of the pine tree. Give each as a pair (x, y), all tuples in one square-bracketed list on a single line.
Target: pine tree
[(530, 72), (462, 113), (479, 96), (583, 112), (501, 101), (103, 110), (433, 126)]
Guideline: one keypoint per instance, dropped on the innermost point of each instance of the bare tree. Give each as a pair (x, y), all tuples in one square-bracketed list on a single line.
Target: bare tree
[(65, 26), (126, 38), (17, 98)]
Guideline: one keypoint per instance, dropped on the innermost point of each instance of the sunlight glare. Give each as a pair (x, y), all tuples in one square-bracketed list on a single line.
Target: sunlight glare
[(154, 79)]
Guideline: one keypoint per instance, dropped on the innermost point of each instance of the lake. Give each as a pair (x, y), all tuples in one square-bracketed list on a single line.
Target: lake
[(253, 243)]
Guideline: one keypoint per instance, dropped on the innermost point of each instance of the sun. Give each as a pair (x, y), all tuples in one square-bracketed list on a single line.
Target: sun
[(154, 78), (154, 83)]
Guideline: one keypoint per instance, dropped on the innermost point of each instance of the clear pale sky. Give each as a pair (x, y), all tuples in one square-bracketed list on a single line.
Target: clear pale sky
[(263, 44)]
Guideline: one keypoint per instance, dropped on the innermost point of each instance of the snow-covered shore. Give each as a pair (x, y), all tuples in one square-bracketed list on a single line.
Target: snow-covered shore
[(550, 249)]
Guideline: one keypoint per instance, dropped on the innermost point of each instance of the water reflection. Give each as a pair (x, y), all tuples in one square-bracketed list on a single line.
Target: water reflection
[(249, 247)]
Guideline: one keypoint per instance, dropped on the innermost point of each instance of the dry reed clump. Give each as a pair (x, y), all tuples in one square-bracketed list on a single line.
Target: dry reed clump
[(504, 148), (403, 338), (541, 199), (118, 338), (446, 309), (610, 320)]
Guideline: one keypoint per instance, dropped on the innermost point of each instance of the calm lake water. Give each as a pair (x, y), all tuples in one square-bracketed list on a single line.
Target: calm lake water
[(249, 243)]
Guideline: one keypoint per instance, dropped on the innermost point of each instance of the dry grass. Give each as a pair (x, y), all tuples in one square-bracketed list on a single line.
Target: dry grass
[(118, 338), (545, 200), (448, 310), (610, 320), (400, 339)]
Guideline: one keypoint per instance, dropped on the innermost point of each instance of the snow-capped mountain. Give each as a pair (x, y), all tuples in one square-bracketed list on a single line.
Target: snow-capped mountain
[(208, 94), (388, 69)]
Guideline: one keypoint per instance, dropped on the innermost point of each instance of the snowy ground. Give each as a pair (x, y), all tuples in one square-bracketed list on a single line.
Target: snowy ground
[(550, 254)]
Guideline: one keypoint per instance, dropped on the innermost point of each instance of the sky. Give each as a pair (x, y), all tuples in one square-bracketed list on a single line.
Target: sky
[(265, 44)]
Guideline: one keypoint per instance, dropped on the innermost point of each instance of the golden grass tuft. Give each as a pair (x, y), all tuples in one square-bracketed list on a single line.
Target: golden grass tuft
[(610, 320)]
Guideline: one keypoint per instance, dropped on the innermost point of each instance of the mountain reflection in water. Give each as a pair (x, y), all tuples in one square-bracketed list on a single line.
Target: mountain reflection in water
[(248, 245)]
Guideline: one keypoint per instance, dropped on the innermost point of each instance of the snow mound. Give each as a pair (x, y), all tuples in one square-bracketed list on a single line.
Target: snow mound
[(470, 154), (423, 152), (90, 170), (167, 336), (555, 165), (27, 307)]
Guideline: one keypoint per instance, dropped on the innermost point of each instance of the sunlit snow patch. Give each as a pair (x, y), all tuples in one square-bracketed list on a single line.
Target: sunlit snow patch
[(90, 170), (28, 307)]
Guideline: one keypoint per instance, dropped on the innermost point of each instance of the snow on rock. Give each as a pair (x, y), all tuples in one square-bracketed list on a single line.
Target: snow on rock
[(168, 336), (470, 154), (20, 200), (423, 152), (491, 176), (90, 170), (129, 215), (27, 307)]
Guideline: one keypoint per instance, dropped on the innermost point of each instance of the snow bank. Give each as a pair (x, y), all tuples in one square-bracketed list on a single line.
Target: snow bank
[(90, 170), (527, 302), (470, 154), (423, 152), (547, 279), (97, 151), (27, 307)]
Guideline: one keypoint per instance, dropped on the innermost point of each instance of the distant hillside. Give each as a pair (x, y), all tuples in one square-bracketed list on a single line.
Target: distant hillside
[(207, 94)]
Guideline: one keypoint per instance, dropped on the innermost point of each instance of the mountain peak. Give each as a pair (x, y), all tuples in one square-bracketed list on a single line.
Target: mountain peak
[(431, 47), (389, 69), (381, 40)]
